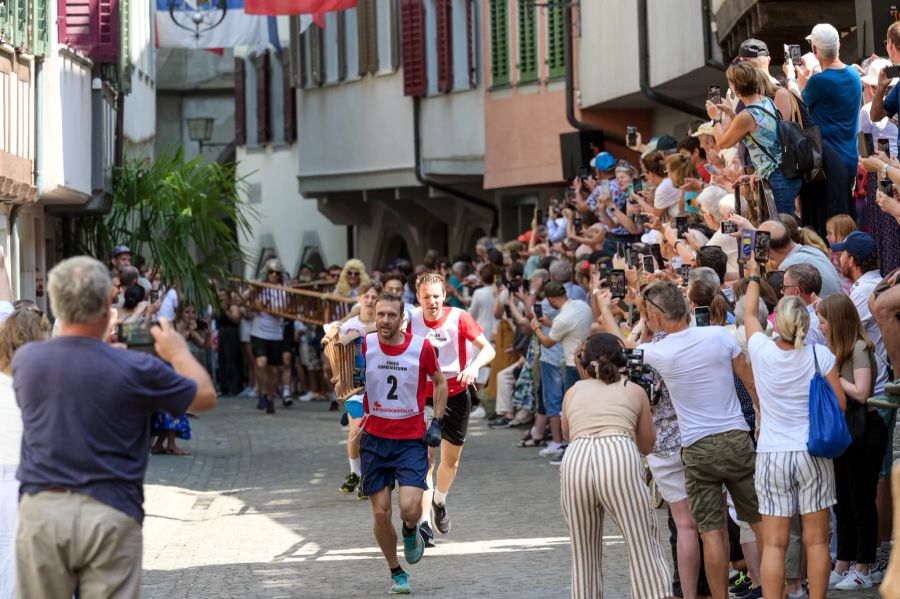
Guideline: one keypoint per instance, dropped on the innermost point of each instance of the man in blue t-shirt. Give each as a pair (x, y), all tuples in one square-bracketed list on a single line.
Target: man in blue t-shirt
[(85, 412), (834, 97)]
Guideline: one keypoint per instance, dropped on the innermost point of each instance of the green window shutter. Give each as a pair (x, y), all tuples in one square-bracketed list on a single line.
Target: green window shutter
[(41, 27), (499, 43), (528, 70), (556, 49)]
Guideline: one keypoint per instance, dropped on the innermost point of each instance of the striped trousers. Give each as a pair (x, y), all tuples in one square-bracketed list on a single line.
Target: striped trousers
[(602, 476)]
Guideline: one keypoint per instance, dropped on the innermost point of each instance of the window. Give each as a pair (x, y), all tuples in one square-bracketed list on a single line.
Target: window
[(499, 43), (556, 42), (527, 14)]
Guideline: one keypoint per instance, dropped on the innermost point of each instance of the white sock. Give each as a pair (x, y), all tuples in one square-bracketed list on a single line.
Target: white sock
[(440, 497), (355, 466)]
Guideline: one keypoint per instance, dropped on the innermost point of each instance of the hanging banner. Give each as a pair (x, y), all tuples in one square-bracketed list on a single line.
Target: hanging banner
[(208, 24)]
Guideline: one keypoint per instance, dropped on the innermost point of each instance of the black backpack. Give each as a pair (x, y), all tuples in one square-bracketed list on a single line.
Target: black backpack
[(798, 146)]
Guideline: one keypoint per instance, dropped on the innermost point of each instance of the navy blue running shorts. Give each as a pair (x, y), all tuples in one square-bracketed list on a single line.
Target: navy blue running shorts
[(385, 461)]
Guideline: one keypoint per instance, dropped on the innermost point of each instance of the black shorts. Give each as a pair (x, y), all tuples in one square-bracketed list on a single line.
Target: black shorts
[(456, 417), (268, 349)]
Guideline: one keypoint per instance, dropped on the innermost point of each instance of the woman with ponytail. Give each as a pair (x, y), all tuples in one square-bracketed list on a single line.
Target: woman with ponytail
[(789, 480), (607, 420), (856, 472)]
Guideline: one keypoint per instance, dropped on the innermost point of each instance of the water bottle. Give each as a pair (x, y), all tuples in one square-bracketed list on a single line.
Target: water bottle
[(359, 363)]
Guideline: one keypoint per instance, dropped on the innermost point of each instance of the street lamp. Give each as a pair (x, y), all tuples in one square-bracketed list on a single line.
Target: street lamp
[(200, 130)]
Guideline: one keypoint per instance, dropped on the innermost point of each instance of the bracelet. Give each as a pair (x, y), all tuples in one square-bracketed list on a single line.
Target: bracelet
[(753, 279)]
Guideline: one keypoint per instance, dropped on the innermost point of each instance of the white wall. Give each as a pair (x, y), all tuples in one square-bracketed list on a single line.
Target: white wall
[(284, 220)]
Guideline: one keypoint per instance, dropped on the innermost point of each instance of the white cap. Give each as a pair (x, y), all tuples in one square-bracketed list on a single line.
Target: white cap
[(824, 36), (874, 69)]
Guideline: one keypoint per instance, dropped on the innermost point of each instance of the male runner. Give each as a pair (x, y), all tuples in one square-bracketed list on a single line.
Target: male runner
[(452, 333), (357, 326), (393, 443)]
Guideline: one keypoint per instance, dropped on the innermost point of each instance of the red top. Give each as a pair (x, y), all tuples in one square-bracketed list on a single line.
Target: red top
[(414, 426), (468, 330)]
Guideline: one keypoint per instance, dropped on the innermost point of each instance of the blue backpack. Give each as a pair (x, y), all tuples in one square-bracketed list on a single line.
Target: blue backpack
[(828, 433)]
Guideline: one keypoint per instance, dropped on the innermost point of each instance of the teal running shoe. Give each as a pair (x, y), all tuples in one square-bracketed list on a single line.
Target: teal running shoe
[(413, 546), (400, 584)]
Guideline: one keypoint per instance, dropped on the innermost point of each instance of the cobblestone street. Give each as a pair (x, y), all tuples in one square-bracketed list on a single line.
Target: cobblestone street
[(255, 512)]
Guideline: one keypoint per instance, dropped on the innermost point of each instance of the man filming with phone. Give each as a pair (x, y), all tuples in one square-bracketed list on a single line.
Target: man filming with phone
[(85, 407)]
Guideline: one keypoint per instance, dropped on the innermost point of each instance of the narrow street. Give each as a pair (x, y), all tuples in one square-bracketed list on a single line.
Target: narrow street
[(255, 512)]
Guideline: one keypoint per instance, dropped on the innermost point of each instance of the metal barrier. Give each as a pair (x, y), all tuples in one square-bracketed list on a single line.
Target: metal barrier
[(311, 307)]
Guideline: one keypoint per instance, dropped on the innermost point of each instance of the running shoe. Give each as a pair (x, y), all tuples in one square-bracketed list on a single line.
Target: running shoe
[(741, 585), (835, 577), (400, 584), (853, 581), (350, 483), (261, 402), (440, 518), (413, 546), (359, 493), (427, 534)]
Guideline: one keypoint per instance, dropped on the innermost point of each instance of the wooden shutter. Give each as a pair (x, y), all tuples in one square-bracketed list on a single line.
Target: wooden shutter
[(412, 33), (263, 87), (444, 26), (240, 102), (499, 43), (556, 49), (342, 45), (316, 55), (289, 104), (91, 26), (528, 70), (470, 43), (367, 32)]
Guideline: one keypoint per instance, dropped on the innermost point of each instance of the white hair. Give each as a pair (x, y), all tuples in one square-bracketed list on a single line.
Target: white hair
[(80, 290)]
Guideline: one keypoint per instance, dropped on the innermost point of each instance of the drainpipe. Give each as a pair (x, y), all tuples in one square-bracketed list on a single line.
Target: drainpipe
[(420, 177), (644, 62), (612, 136)]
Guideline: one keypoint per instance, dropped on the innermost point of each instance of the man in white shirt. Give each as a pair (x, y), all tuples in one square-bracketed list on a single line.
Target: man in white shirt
[(859, 263), (698, 365), (569, 329), (804, 281)]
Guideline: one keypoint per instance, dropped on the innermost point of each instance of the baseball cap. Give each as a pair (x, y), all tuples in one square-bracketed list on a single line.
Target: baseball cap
[(753, 48), (824, 36), (666, 143), (874, 69), (858, 244), (120, 249), (554, 289), (704, 129), (603, 161)]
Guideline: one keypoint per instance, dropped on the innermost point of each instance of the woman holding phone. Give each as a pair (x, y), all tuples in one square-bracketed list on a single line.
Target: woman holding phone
[(788, 479), (757, 127)]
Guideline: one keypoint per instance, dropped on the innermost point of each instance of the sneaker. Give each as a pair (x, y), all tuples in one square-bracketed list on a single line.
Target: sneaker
[(552, 452), (270, 406), (741, 585), (413, 546), (854, 580), (502, 422), (835, 577), (440, 518), (261, 402), (400, 583), (557, 461), (478, 412), (350, 483), (360, 496), (427, 534), (754, 593)]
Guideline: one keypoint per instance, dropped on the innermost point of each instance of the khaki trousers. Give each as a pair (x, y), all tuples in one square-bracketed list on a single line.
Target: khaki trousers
[(68, 539)]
